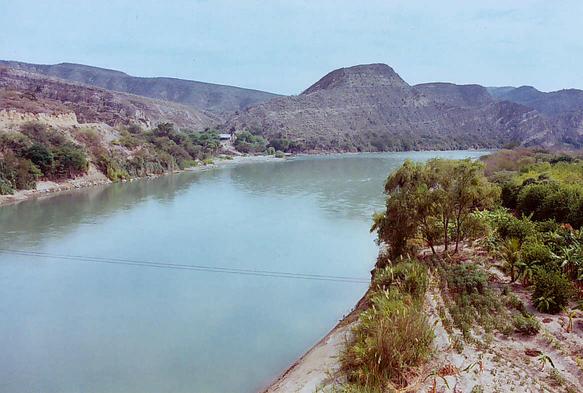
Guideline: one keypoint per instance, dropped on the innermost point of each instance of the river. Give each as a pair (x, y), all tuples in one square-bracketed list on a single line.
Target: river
[(78, 325)]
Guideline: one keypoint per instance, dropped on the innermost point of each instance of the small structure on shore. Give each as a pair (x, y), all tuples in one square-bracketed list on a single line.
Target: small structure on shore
[(227, 137)]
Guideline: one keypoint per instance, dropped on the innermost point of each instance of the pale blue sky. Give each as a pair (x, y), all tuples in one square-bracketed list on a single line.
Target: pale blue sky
[(284, 46)]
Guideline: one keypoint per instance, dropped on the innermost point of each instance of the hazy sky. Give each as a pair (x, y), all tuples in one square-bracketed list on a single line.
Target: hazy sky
[(285, 46)]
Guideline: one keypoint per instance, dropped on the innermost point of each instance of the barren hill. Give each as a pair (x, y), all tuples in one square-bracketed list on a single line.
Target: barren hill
[(27, 92), (205, 96)]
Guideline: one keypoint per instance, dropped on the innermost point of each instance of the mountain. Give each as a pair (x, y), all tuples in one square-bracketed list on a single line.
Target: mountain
[(204, 96), (550, 104), (371, 108), (26, 92)]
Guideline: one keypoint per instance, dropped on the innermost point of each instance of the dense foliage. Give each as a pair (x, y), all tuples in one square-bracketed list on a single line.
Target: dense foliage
[(37, 152), (542, 185), (433, 202), (247, 142)]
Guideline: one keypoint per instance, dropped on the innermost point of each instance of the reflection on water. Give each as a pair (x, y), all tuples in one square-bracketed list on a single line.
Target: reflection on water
[(70, 326), (58, 214), (347, 184)]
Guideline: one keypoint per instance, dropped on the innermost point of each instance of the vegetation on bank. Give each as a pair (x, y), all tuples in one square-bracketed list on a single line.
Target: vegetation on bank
[(433, 209), (393, 335), (40, 152), (37, 152)]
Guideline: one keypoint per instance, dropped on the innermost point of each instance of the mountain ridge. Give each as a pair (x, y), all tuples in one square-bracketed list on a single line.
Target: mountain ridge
[(29, 92), (383, 112), (216, 98)]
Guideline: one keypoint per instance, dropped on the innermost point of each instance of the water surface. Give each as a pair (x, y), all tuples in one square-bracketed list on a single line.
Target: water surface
[(71, 326)]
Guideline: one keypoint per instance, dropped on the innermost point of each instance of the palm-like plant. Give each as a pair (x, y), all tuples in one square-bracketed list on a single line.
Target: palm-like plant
[(571, 259), (527, 272), (510, 252)]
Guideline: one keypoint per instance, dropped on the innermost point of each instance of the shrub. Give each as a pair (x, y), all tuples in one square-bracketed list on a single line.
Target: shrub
[(467, 278), (270, 151), (249, 143), (18, 173), (509, 194), (5, 188), (408, 277), (535, 253), (526, 324), (518, 228), (70, 161), (514, 302), (128, 140), (14, 142), (532, 197), (279, 154), (134, 129), (111, 167), (42, 157), (551, 291)]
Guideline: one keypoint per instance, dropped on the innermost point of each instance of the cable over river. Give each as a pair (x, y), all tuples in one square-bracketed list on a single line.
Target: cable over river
[(210, 282)]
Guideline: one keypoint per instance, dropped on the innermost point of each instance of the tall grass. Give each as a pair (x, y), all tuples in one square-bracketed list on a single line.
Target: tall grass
[(393, 335)]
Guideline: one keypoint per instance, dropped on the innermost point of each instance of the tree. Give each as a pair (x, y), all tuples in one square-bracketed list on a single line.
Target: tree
[(470, 190), (429, 200)]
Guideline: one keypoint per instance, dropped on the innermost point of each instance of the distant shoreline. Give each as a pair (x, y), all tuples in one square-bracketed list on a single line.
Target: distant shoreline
[(95, 178)]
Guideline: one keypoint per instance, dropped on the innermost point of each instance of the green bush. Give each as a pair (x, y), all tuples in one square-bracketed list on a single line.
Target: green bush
[(279, 154), (249, 143), (551, 291), (5, 187), (552, 201), (518, 228), (70, 160), (467, 278), (526, 324), (270, 151), (42, 157), (534, 253), (111, 167), (532, 197), (509, 194), (408, 277)]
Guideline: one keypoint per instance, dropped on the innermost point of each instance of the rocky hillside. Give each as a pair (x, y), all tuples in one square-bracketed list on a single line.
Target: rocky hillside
[(204, 96), (455, 95), (370, 108), (551, 104), (27, 92)]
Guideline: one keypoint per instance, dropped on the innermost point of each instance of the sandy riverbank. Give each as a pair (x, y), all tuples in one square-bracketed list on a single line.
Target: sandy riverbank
[(95, 178)]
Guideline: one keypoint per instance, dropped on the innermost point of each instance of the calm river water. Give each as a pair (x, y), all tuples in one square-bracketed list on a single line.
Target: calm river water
[(76, 326)]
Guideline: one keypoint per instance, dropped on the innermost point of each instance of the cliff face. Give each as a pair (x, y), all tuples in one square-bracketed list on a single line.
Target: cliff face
[(26, 92), (369, 107), (211, 97)]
